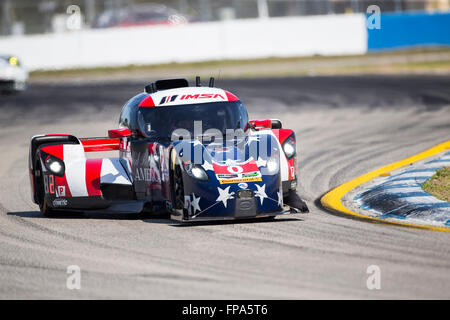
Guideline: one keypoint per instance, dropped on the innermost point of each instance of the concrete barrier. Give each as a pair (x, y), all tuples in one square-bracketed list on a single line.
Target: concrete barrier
[(406, 30), (236, 39)]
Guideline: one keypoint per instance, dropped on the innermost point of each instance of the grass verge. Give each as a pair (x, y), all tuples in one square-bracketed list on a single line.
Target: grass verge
[(439, 184), (402, 61)]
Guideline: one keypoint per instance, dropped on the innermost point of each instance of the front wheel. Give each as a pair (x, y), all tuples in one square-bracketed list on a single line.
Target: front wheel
[(46, 211), (43, 206), (178, 188)]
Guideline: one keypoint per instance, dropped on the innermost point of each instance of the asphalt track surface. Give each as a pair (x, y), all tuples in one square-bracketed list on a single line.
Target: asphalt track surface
[(345, 126)]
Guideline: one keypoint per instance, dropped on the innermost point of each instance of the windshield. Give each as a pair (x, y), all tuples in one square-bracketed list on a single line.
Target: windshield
[(161, 122)]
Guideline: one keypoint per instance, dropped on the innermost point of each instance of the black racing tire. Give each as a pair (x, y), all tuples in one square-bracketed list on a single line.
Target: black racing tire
[(178, 188), (292, 199), (46, 211)]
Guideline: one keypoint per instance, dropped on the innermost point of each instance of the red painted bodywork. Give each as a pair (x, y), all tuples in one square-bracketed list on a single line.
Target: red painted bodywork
[(147, 102), (93, 169), (119, 133), (92, 145), (261, 124), (282, 135), (56, 150), (231, 97)]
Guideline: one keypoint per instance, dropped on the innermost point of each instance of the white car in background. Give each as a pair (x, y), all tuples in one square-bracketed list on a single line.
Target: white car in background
[(13, 77)]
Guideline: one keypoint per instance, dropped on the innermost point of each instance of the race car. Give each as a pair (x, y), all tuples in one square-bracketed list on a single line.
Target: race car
[(13, 76), (189, 151)]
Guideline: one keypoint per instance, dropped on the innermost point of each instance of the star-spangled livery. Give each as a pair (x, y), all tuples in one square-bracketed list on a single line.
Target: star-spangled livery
[(165, 163)]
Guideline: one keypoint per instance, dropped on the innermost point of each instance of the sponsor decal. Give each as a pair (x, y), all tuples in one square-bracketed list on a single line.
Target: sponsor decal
[(167, 99), (241, 180), (202, 96), (227, 176), (251, 175), (147, 175), (243, 185), (59, 202), (238, 173), (61, 191)]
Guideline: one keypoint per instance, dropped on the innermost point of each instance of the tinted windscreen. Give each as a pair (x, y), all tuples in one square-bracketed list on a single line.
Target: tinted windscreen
[(162, 121)]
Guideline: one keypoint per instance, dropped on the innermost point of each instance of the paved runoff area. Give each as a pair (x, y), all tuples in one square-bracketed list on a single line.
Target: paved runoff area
[(345, 126)]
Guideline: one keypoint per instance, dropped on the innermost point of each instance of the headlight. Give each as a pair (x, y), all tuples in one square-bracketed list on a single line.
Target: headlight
[(13, 61), (272, 165), (289, 148), (195, 171), (54, 165)]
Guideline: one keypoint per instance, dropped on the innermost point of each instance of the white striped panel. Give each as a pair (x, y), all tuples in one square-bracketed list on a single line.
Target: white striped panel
[(75, 162), (113, 172), (414, 174), (404, 190)]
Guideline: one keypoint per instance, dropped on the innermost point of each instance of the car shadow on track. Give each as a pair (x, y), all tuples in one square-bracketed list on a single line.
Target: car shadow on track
[(148, 218), (38, 215), (224, 222), (88, 215)]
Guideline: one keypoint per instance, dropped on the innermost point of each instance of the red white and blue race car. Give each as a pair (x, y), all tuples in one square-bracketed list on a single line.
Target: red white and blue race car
[(190, 151)]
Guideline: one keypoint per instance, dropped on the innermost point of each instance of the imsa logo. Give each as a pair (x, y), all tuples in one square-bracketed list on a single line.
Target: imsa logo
[(167, 99)]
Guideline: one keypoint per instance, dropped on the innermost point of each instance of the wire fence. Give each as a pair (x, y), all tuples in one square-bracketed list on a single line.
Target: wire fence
[(20, 17)]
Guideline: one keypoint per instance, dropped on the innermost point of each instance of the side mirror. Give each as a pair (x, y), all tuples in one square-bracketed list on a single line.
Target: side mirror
[(276, 124), (260, 124), (119, 133), (266, 124)]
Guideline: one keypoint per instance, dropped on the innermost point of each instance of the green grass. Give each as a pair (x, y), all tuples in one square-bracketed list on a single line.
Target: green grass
[(439, 184), (270, 66)]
